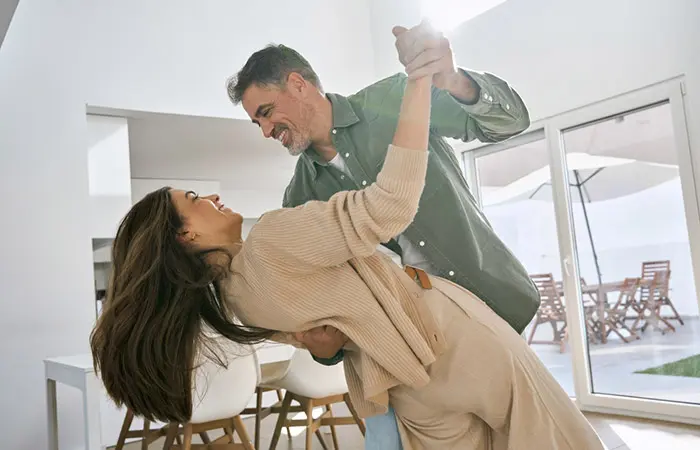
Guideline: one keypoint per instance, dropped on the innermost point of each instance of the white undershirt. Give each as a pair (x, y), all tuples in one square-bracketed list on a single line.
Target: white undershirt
[(411, 255)]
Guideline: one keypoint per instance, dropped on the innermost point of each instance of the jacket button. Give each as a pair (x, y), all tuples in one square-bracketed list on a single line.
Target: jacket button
[(421, 243), (452, 273)]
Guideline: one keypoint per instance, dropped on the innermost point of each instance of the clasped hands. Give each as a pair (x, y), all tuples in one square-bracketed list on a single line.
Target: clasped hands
[(424, 51), (323, 342)]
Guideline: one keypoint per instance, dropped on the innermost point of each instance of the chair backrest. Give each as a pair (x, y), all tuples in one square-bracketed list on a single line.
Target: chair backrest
[(308, 378), (649, 268), (628, 293), (658, 289), (221, 392), (659, 273), (551, 302)]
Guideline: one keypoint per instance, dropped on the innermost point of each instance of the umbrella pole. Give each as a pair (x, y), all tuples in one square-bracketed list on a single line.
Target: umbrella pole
[(579, 187)]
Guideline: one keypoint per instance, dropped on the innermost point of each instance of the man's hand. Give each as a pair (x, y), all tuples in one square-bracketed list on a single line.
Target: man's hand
[(323, 342), (424, 51)]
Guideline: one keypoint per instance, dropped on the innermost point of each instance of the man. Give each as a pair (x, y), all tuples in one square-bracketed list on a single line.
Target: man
[(342, 141)]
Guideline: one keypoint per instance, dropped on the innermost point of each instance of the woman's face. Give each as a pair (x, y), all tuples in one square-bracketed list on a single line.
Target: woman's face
[(208, 223)]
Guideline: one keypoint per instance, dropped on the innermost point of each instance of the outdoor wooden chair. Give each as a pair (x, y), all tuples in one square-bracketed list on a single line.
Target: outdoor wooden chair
[(551, 311), (616, 314), (590, 312), (652, 299), (660, 296)]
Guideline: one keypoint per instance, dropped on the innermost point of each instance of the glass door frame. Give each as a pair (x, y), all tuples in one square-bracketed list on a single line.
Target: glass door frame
[(552, 130)]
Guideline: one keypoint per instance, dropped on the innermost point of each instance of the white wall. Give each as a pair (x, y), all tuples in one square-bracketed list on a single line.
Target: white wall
[(142, 186), (175, 56), (385, 14), (252, 203), (163, 56), (565, 54), (43, 141), (109, 175)]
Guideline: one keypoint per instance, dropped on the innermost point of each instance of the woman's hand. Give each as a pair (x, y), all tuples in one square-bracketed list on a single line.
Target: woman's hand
[(323, 342)]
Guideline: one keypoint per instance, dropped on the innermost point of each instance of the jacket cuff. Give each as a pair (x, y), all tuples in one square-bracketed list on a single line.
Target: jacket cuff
[(485, 101), (331, 361)]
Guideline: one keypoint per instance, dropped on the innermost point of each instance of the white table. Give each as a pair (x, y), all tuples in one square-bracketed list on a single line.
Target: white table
[(77, 371)]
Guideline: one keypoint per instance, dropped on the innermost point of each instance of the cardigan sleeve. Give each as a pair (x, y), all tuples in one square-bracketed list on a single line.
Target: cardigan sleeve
[(350, 224)]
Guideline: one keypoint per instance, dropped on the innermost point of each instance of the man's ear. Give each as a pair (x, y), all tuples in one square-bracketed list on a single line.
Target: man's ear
[(296, 83)]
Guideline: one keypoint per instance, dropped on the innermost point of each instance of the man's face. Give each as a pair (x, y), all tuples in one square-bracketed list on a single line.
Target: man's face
[(282, 114)]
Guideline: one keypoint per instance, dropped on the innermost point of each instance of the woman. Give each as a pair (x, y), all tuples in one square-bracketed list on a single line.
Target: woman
[(456, 374)]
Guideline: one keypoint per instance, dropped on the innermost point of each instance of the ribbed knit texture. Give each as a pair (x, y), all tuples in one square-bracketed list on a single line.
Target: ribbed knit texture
[(318, 264)]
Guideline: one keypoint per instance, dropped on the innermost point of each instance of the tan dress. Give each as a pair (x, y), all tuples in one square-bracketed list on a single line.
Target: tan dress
[(488, 390), (456, 374)]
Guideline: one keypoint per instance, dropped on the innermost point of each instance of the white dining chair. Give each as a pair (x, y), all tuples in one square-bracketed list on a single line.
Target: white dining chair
[(219, 396), (311, 385)]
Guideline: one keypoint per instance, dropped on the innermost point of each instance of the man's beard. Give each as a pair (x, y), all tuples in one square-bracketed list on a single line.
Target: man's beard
[(295, 149), (301, 140)]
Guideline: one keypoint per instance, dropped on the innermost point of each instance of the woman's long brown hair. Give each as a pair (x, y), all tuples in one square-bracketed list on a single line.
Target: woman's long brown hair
[(160, 294)]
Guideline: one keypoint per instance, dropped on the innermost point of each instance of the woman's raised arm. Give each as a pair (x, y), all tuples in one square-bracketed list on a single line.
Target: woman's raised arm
[(352, 223)]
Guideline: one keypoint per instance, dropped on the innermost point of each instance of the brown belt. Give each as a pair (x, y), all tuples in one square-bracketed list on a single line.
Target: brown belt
[(419, 276)]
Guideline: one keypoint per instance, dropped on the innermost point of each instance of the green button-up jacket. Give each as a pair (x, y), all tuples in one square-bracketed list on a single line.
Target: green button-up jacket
[(450, 230)]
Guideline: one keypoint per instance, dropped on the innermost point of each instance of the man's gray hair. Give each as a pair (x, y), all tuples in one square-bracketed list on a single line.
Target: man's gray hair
[(270, 66)]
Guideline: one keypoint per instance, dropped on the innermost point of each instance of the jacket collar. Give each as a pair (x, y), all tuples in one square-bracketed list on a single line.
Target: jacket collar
[(343, 117)]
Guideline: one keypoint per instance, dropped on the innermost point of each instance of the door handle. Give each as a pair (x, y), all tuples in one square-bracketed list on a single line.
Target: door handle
[(567, 266)]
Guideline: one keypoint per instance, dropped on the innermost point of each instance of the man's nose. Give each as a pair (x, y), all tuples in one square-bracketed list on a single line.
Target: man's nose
[(267, 129)]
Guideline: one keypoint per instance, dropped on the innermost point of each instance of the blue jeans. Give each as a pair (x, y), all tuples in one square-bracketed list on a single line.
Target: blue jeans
[(382, 432)]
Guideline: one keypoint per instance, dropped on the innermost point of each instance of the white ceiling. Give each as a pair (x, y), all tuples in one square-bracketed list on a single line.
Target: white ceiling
[(231, 151)]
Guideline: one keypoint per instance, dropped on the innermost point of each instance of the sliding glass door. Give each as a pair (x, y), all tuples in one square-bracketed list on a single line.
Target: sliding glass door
[(506, 175), (601, 206)]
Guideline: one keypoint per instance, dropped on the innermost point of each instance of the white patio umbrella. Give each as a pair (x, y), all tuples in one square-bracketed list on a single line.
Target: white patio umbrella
[(591, 178)]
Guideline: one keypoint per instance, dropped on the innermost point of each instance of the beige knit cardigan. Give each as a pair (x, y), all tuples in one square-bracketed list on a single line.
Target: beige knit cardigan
[(317, 264)]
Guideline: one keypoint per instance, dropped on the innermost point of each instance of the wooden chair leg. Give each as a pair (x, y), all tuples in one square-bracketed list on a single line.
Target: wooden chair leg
[(146, 432), (353, 412), (281, 419), (564, 338), (187, 444), (170, 436), (333, 433), (258, 413), (126, 425), (309, 410), (319, 435), (555, 331), (204, 437), (240, 428), (228, 431), (532, 333), (675, 312), (280, 397)]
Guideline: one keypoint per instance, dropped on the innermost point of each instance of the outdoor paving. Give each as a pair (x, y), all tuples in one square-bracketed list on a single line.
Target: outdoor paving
[(614, 364)]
